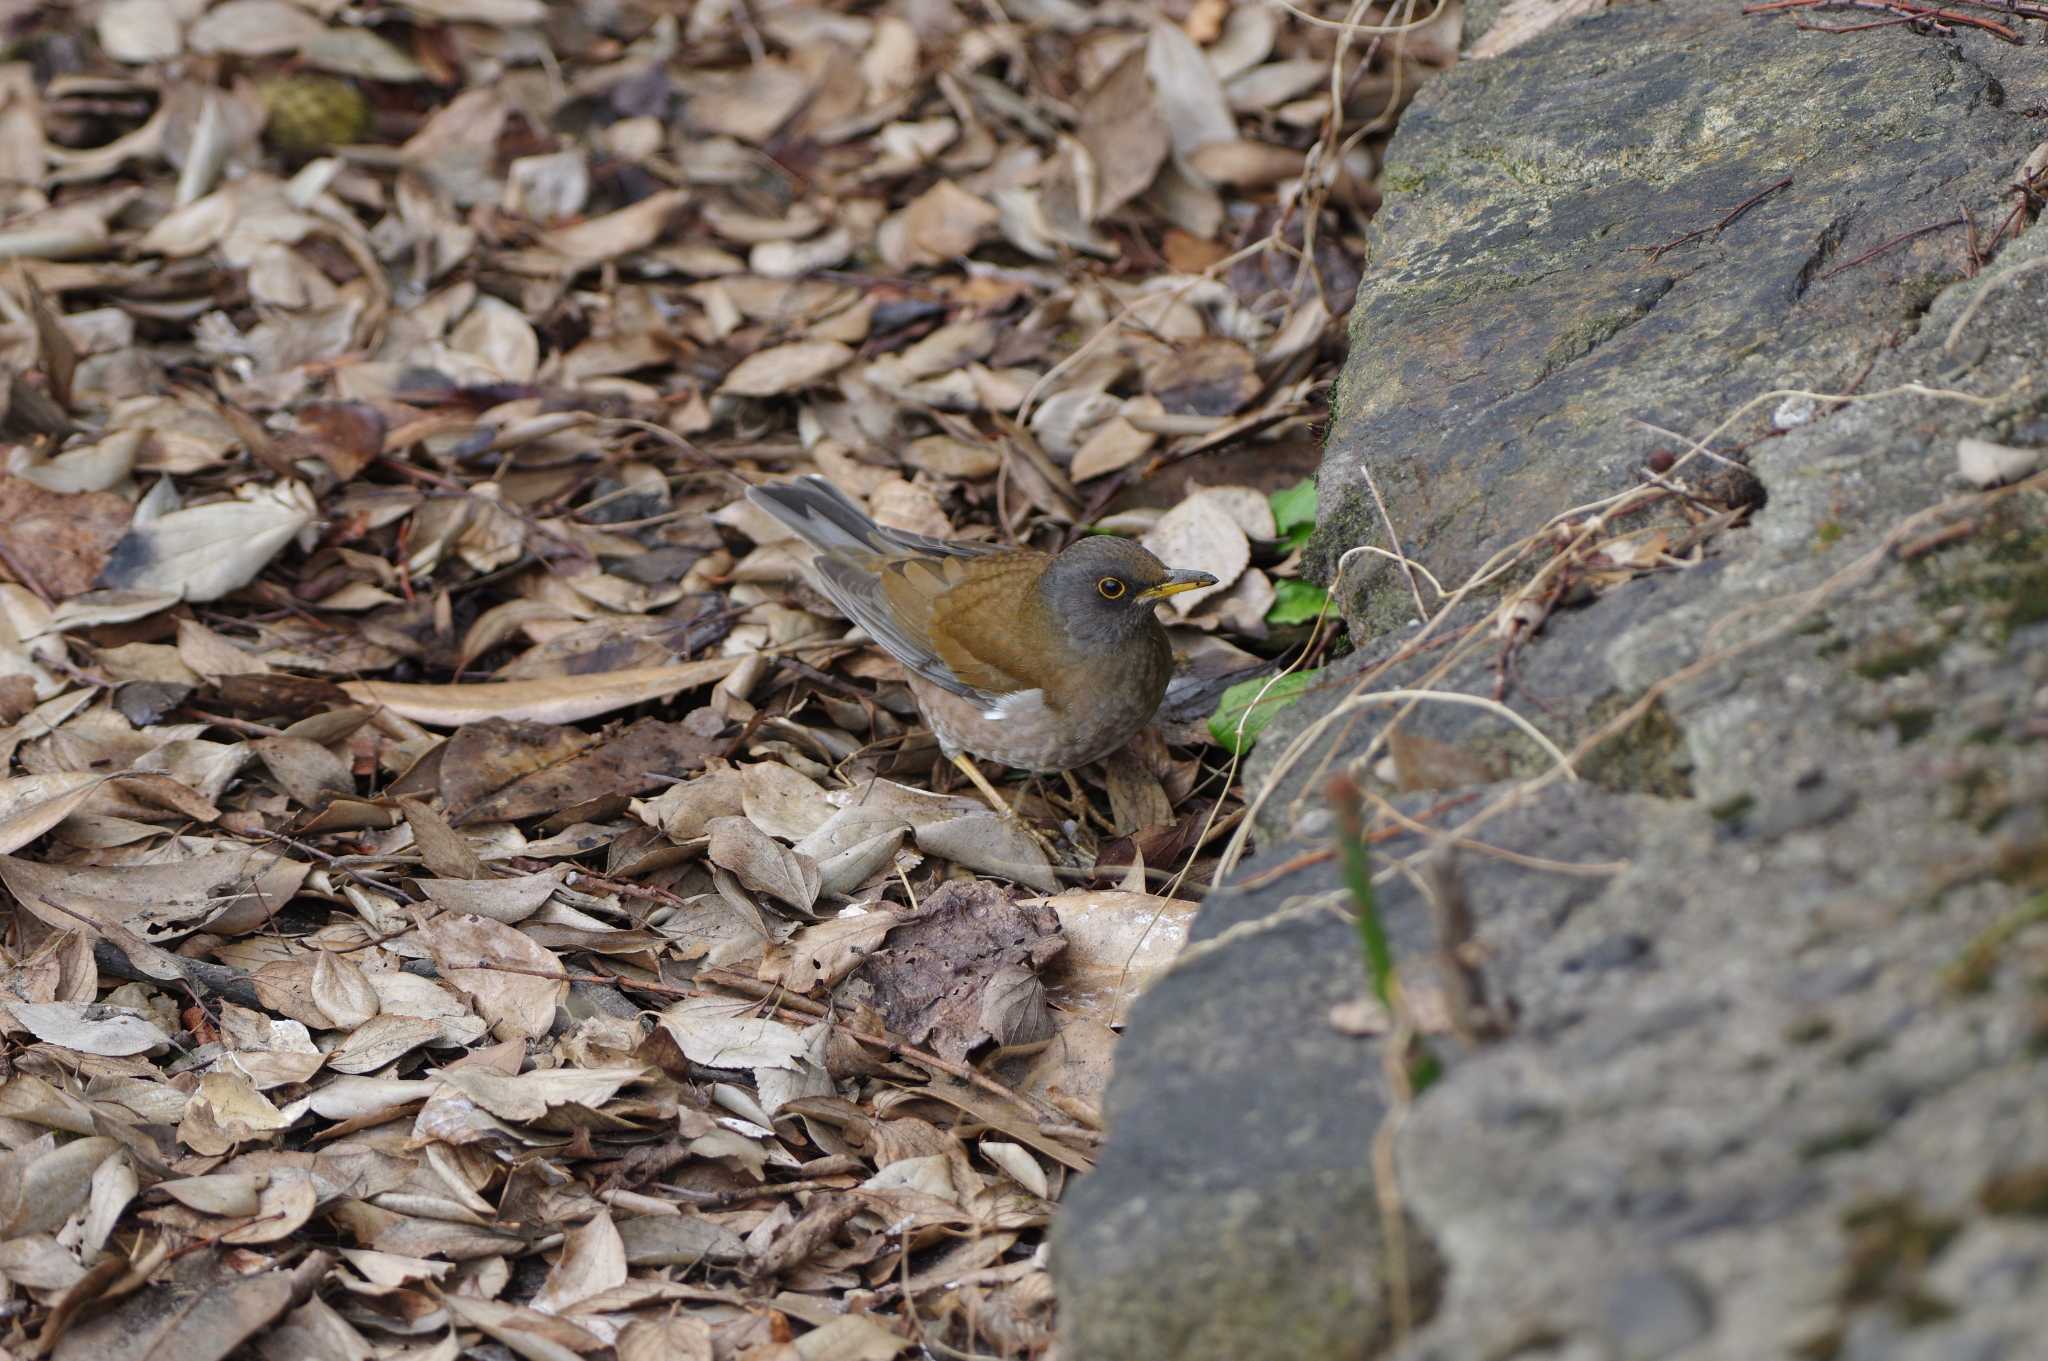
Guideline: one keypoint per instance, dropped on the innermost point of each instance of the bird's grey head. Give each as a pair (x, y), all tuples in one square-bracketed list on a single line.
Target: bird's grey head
[(1102, 589)]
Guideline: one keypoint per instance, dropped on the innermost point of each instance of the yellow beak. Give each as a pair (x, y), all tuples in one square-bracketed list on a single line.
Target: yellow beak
[(1175, 583)]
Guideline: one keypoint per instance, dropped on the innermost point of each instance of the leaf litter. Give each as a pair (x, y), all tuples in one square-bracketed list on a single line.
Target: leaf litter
[(465, 891)]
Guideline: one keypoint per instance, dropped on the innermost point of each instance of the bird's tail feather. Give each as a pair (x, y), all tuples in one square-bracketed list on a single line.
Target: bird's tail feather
[(824, 517)]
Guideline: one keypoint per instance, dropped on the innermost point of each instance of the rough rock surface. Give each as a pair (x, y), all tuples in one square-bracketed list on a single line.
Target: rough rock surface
[(1776, 1083), (1516, 324)]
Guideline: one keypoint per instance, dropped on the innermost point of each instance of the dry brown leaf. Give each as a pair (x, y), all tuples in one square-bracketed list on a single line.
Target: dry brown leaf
[(252, 28), (342, 990), (1117, 944), (1125, 136), (723, 1033), (941, 224), (1199, 533), (207, 551), (761, 864), (201, 1310), (1116, 443), (509, 978), (616, 234), (593, 1261), (1191, 98), (1243, 164), (564, 700), (963, 970), (507, 900), (139, 31), (89, 1027), (786, 368), (56, 544), (992, 844), (680, 1337)]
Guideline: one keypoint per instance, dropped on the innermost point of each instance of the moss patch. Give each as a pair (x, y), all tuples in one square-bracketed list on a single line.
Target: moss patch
[(1887, 661), (1731, 811), (1647, 757), (1892, 1243), (2006, 580), (2020, 1192)]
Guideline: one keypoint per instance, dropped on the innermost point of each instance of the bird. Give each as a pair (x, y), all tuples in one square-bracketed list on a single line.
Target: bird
[(1038, 661)]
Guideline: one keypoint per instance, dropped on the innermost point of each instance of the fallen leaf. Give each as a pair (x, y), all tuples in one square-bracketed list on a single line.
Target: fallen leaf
[(786, 368), (200, 1311), (1199, 534), (503, 972), (1985, 464), (1117, 945), (1124, 134), (563, 700), (89, 1027), (962, 972), (207, 551), (60, 541)]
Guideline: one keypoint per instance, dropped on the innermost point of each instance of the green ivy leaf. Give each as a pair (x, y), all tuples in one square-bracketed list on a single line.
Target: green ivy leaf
[(1294, 510), (1296, 602), (1223, 724)]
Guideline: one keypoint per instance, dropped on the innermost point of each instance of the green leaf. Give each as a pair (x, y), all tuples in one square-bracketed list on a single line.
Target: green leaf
[(1294, 510), (1223, 724), (1296, 602)]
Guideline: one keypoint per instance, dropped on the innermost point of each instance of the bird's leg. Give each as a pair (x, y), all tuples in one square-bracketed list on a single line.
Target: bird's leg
[(980, 782), (1002, 806)]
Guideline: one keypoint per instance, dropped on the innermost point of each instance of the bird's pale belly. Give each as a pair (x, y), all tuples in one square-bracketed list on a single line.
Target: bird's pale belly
[(1031, 736)]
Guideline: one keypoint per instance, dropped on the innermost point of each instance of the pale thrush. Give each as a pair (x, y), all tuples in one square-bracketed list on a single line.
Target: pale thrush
[(1034, 660)]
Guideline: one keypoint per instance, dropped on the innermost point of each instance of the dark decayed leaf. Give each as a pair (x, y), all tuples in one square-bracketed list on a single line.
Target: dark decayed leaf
[(963, 970)]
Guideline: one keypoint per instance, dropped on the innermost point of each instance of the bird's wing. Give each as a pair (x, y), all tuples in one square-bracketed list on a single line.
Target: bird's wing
[(990, 626), (893, 600), (897, 586)]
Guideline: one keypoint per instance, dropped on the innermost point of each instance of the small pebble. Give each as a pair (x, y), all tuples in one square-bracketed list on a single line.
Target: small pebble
[(1794, 412)]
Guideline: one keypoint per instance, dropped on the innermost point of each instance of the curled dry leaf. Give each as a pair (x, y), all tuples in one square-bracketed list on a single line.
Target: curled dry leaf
[(992, 844), (763, 865)]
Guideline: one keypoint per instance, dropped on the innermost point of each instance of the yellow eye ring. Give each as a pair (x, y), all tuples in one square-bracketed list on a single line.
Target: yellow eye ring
[(1111, 588)]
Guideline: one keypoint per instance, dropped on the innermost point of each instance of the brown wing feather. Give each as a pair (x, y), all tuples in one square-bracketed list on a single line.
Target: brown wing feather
[(1003, 659), (921, 599)]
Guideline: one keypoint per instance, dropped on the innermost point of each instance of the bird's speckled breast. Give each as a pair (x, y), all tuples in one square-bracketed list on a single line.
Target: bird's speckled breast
[(1069, 729)]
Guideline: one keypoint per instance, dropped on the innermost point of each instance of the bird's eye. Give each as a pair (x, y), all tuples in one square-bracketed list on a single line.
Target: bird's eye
[(1111, 588)]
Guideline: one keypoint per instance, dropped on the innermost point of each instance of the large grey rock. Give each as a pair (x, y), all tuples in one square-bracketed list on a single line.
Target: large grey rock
[(1514, 325), (1779, 1086), (1233, 1216)]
